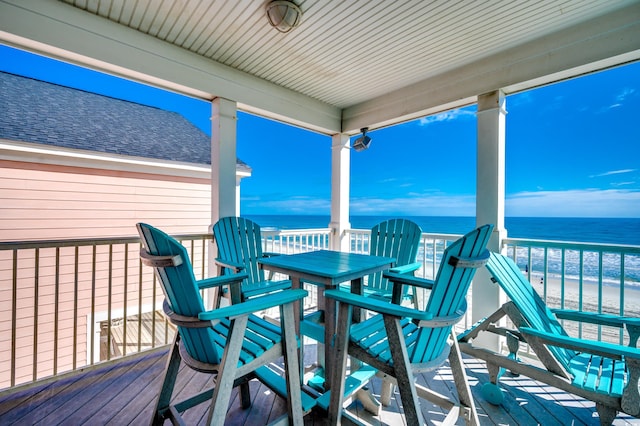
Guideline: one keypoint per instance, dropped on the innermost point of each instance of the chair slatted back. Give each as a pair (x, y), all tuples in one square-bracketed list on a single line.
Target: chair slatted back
[(530, 305), (448, 295), (181, 292), (397, 238), (239, 241)]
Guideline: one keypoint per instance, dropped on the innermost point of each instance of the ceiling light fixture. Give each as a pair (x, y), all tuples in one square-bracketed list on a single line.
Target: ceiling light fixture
[(283, 15), (363, 141)]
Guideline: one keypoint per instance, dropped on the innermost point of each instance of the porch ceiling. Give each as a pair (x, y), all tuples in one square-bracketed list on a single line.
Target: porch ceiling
[(349, 64)]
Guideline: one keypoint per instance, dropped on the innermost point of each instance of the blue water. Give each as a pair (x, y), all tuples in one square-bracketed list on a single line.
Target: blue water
[(586, 230)]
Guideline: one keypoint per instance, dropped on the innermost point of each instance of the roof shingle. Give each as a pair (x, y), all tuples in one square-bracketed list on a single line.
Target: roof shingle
[(40, 112)]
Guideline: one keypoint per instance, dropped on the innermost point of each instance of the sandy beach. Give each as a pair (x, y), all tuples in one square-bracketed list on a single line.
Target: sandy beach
[(610, 300)]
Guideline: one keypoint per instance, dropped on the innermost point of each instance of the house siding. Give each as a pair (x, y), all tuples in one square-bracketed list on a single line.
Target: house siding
[(68, 202), (46, 202)]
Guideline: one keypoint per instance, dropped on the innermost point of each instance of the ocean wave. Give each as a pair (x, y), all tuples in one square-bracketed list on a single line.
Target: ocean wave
[(591, 266)]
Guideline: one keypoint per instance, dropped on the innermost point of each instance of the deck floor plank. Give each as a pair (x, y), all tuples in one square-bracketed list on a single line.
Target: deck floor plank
[(124, 392)]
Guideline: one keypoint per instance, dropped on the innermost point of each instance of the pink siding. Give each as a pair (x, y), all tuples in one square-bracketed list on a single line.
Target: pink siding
[(54, 202), (67, 202)]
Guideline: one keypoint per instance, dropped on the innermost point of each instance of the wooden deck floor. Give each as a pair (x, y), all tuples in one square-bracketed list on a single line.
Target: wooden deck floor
[(123, 393)]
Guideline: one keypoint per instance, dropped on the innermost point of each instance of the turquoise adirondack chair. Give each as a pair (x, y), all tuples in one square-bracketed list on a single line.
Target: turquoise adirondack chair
[(239, 244), (607, 374), (400, 341), (230, 342), (399, 239)]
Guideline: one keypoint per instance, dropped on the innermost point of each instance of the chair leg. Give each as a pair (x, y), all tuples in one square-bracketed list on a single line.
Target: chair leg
[(403, 373), (385, 393), (292, 367), (340, 347), (226, 376), (607, 414), (168, 382), (462, 384), (245, 395)]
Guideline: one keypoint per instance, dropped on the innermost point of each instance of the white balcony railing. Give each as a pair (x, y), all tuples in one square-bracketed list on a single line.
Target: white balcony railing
[(70, 304)]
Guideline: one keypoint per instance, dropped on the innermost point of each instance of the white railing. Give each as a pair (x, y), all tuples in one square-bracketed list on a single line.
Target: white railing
[(601, 278), (70, 304), (295, 240)]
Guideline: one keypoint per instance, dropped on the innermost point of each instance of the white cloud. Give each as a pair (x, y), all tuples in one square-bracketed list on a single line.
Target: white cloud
[(575, 203), (447, 116), (417, 205), (622, 97), (572, 203), (626, 92), (293, 205), (623, 183), (614, 172)]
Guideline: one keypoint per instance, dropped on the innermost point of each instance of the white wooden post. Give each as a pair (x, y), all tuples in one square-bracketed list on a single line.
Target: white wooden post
[(490, 199), (340, 181), (223, 158), (223, 165)]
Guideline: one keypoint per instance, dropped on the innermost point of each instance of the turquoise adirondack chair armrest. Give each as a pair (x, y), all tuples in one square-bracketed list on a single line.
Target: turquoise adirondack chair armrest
[(632, 325), (379, 306), (221, 280), (596, 318), (405, 269), (270, 254), (409, 280), (237, 267), (605, 349), (254, 305)]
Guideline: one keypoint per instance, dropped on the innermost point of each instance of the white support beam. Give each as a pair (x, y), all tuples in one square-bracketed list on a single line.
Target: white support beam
[(223, 158), (490, 200), (593, 45), (61, 31), (340, 182)]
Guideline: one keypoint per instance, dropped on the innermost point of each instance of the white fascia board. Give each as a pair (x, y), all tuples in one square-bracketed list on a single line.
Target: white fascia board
[(609, 40), (45, 154), (59, 30)]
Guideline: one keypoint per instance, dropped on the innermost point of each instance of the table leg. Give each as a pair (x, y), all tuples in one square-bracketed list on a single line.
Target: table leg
[(298, 311), (329, 333), (368, 401)]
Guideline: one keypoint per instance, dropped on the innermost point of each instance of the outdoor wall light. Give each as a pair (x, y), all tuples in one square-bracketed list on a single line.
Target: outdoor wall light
[(363, 141), (283, 15)]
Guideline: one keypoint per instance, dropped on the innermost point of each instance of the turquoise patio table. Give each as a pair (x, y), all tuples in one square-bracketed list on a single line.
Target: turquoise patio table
[(327, 269)]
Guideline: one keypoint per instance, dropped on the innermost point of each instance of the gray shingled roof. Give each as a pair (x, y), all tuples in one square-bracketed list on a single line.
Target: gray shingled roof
[(46, 113)]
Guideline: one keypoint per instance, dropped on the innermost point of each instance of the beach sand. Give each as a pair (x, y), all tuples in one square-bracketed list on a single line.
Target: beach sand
[(610, 298)]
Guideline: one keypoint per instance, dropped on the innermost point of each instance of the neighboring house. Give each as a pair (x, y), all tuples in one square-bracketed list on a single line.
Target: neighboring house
[(75, 164)]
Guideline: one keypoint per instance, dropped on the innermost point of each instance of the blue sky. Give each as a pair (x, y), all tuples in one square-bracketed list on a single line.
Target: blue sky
[(573, 150)]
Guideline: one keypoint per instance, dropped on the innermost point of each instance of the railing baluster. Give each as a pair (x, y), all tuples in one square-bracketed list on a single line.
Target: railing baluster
[(93, 305), (36, 289), (125, 301), (621, 310), (56, 303), (75, 307), (140, 303), (14, 314), (109, 301)]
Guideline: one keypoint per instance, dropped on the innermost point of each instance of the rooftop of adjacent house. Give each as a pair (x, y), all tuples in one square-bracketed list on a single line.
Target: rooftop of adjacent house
[(40, 112)]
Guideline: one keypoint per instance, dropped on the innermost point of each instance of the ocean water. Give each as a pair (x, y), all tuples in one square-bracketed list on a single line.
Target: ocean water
[(584, 230)]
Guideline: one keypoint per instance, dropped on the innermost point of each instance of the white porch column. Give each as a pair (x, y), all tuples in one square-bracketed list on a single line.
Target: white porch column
[(490, 199), (223, 166), (223, 158), (238, 179), (340, 181)]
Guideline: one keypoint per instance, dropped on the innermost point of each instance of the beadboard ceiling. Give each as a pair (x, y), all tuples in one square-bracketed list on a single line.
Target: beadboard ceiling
[(350, 53)]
